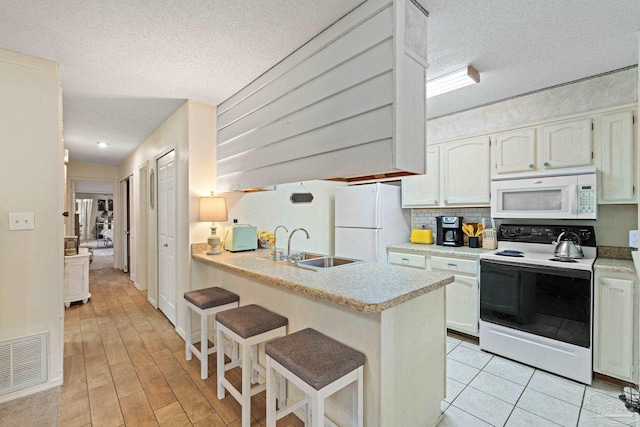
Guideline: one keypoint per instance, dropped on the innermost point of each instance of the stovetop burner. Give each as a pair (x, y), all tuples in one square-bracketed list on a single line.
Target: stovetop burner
[(563, 259), (511, 253)]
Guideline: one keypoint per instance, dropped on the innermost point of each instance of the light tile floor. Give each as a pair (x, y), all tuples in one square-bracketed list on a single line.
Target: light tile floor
[(488, 390)]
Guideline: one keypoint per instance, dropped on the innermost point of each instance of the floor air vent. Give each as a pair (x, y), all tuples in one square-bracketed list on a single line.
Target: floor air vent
[(23, 363)]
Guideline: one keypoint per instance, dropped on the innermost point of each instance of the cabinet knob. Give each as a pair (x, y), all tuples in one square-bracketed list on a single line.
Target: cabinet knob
[(546, 164), (445, 201), (166, 245), (435, 202), (531, 165)]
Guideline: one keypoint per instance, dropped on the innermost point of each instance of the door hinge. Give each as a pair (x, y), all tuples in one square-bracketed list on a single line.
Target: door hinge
[(592, 154), (591, 126), (633, 189)]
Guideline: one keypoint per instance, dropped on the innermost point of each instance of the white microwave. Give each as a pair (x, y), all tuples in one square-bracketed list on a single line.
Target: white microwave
[(563, 194)]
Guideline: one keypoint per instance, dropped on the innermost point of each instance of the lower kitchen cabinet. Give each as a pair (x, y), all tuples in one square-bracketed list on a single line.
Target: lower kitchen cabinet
[(462, 296), (76, 277), (614, 343), (462, 304)]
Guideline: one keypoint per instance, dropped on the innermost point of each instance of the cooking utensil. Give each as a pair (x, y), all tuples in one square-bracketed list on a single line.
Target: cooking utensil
[(568, 248), (470, 229), (479, 229)]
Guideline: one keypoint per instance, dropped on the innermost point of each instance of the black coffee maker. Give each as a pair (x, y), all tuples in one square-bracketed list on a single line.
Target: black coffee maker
[(449, 231)]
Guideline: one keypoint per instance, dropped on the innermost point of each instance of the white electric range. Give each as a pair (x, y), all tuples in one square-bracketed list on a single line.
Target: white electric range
[(536, 308)]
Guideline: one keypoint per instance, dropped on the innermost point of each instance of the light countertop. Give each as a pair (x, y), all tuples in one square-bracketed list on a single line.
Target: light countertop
[(614, 265), (459, 251), (366, 287)]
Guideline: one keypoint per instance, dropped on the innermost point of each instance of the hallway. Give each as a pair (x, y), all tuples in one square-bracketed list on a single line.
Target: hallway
[(124, 364)]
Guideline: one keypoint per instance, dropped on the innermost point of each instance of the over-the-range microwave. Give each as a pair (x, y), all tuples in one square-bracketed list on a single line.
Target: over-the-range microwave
[(559, 194)]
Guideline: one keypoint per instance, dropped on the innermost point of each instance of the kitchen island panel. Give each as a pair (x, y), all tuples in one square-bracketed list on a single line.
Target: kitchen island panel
[(404, 345)]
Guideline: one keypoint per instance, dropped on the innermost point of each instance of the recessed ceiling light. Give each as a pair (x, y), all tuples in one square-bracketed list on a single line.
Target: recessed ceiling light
[(452, 81), (102, 144)]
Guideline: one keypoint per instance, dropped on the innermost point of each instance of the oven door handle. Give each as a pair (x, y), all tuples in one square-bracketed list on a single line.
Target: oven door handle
[(557, 271)]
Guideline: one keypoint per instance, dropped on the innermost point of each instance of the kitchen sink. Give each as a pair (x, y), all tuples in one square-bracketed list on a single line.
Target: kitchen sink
[(326, 263)]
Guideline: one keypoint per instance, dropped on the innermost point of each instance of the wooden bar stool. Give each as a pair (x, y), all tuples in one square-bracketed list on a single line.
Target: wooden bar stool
[(248, 326), (319, 366), (206, 302)]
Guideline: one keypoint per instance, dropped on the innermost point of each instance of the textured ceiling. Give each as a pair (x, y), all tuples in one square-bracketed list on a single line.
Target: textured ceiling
[(127, 65), (523, 46)]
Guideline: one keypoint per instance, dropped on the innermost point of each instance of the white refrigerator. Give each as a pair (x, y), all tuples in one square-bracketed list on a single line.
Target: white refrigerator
[(367, 219)]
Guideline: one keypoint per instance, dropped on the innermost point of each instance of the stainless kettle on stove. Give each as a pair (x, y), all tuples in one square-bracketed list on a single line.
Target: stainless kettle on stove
[(567, 248)]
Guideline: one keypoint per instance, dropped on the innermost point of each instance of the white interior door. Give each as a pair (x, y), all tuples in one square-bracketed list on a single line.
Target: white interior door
[(124, 215), (132, 234), (167, 236)]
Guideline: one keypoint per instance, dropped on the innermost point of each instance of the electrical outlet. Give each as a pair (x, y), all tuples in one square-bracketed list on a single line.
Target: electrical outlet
[(21, 221), (633, 238)]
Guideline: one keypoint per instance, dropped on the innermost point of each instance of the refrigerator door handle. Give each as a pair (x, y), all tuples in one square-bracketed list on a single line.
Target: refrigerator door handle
[(378, 210)]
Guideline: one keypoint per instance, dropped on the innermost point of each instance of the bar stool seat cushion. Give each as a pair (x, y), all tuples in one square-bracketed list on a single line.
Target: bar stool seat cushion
[(313, 357), (251, 320), (210, 297)]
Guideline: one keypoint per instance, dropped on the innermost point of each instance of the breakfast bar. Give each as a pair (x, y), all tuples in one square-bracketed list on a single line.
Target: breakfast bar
[(394, 315)]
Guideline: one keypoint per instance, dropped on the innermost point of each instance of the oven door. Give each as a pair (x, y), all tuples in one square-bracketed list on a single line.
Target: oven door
[(552, 302)]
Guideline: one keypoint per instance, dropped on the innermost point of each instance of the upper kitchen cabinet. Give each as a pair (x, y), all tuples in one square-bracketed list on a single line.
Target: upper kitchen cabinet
[(548, 146), (349, 103), (424, 190), (567, 144), (515, 151), (467, 176), (616, 154), (458, 174)]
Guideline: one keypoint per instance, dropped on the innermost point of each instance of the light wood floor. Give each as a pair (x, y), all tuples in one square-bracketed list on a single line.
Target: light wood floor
[(124, 364)]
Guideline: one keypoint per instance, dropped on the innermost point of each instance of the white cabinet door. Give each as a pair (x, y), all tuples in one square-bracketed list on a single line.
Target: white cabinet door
[(567, 144), (463, 305), (423, 190), (515, 151), (617, 155), (466, 171), (613, 332)]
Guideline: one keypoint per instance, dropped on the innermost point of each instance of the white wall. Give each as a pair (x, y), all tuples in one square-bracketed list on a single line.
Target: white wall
[(588, 95), (31, 261), (190, 131), (614, 221), (268, 209)]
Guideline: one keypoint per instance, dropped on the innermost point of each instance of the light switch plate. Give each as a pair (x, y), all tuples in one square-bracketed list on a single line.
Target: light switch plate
[(633, 238), (21, 221)]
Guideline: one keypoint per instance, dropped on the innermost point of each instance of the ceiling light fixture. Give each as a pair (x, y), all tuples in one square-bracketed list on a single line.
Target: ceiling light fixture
[(102, 144), (452, 81)]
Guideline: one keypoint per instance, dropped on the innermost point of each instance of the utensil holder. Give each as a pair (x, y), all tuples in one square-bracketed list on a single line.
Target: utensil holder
[(474, 241), (489, 239)]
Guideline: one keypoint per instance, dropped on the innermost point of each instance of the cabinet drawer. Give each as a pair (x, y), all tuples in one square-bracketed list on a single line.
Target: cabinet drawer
[(454, 264), (409, 260)]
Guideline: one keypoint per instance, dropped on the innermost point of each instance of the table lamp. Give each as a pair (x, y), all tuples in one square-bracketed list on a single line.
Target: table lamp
[(213, 209)]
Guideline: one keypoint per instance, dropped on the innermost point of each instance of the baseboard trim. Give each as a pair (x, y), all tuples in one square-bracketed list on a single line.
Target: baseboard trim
[(31, 390)]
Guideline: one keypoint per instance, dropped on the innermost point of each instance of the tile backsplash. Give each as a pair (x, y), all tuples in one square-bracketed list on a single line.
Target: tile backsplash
[(427, 217)]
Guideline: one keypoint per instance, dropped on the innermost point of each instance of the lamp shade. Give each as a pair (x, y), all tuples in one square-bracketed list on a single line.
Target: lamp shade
[(212, 209)]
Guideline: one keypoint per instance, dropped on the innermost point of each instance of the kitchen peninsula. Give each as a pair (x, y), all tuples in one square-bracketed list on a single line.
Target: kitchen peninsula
[(394, 315)]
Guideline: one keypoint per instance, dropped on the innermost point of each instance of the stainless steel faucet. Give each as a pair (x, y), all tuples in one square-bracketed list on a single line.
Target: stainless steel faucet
[(289, 242), (275, 247)]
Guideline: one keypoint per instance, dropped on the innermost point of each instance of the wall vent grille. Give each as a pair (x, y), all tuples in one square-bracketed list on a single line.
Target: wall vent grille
[(23, 363)]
